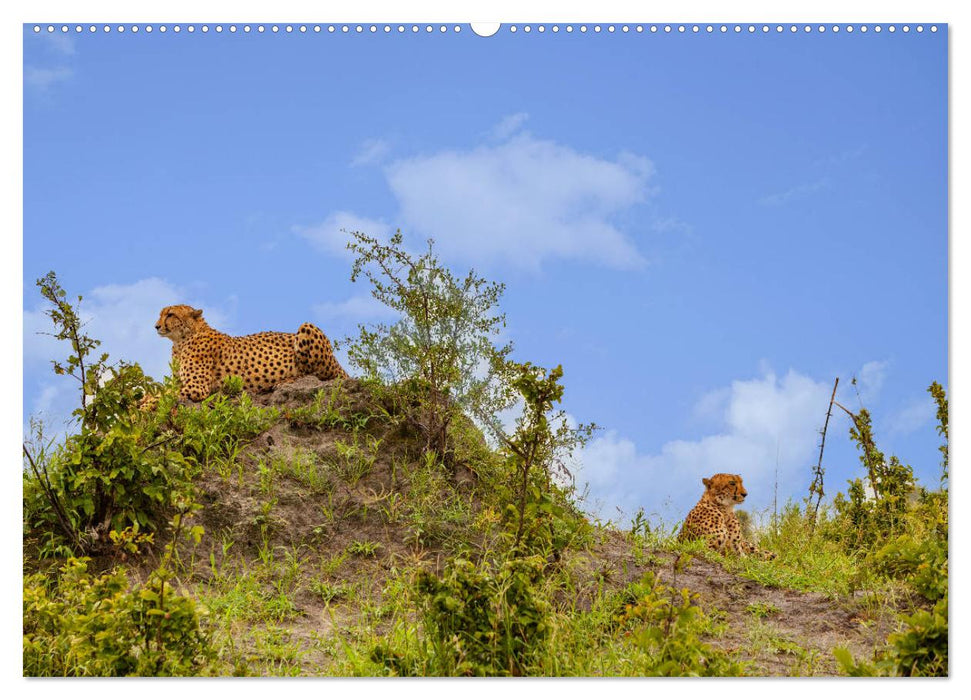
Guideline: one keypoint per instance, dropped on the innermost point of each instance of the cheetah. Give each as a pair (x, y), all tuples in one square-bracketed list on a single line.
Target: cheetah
[(713, 517), (206, 357)]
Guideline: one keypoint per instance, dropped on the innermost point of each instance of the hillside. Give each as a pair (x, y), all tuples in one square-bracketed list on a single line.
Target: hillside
[(372, 527), (315, 528)]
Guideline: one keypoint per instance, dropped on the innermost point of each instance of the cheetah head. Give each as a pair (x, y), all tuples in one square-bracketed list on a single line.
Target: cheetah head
[(179, 322), (725, 489)]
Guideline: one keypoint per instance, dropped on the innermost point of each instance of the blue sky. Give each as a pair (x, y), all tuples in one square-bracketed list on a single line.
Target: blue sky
[(705, 230)]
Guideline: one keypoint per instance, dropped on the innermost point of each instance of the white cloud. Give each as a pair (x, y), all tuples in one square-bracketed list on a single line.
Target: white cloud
[(522, 202), (794, 193), (44, 78), (713, 404), (122, 317), (371, 151), (362, 308), (333, 235), (59, 42), (60, 49), (912, 416), (508, 126), (764, 420), (47, 397), (870, 379)]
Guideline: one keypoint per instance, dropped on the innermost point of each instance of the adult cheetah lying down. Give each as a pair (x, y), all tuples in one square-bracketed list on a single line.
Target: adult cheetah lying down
[(714, 519), (263, 360)]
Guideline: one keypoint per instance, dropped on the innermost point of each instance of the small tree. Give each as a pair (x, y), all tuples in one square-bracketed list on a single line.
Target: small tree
[(67, 321), (116, 471), (440, 356), (442, 363), (539, 447)]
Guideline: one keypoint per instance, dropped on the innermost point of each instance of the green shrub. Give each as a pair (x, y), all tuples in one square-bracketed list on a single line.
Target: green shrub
[(435, 363), (919, 649), (869, 519), (905, 537), (485, 620), (666, 624), (83, 625), (921, 562), (232, 385), (121, 469), (539, 510), (118, 471)]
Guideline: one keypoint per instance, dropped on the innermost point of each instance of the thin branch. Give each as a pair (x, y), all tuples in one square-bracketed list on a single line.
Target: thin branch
[(159, 443), (817, 485), (867, 444), (52, 498)]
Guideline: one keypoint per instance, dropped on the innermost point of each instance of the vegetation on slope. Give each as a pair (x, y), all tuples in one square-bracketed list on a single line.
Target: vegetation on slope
[(394, 525)]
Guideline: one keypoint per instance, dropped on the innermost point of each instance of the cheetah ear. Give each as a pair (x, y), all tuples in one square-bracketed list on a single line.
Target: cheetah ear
[(706, 482), (196, 313)]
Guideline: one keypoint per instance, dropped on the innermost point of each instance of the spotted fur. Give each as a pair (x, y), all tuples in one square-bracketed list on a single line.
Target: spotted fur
[(263, 360), (713, 517)]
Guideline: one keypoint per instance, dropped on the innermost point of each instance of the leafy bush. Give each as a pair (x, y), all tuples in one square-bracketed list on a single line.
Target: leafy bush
[(666, 624), (485, 620), (232, 385), (922, 562), (869, 518), (119, 470), (436, 363), (920, 649), (940, 398), (535, 454), (83, 625), (905, 537)]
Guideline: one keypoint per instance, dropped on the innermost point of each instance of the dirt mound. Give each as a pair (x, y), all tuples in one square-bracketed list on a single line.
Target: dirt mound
[(303, 391), (300, 484), (311, 491)]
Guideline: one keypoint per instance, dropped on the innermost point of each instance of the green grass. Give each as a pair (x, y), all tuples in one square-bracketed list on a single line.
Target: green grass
[(592, 623), (805, 560), (276, 653), (435, 514), (329, 411), (304, 468), (582, 642), (761, 609), (363, 548), (243, 599), (356, 458), (766, 639), (331, 592)]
